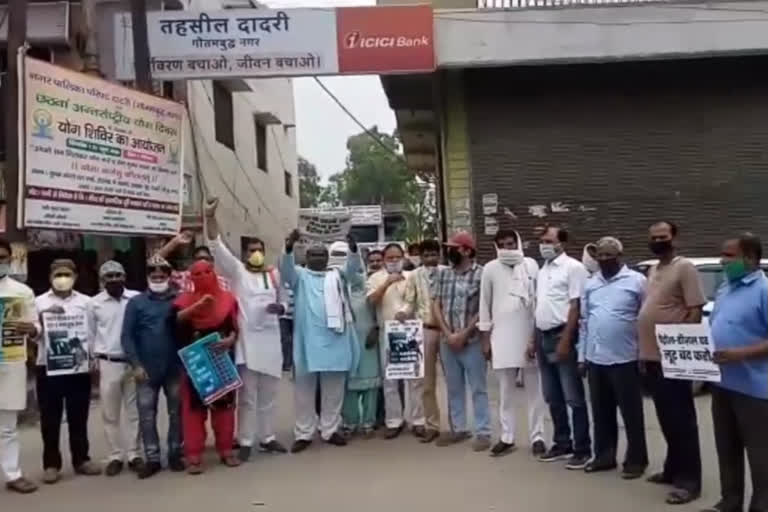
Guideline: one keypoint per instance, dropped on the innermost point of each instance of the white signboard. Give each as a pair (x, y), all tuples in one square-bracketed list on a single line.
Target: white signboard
[(324, 226), (99, 157), (686, 352), (405, 349), (66, 343), (237, 43)]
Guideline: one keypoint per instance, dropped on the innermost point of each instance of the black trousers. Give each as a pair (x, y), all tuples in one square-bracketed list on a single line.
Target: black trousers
[(740, 422), (612, 387), (676, 412), (54, 394)]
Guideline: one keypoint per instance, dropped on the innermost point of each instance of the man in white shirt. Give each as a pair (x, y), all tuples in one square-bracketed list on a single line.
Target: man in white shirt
[(507, 306), (117, 388), (19, 323), (56, 392), (258, 352), (558, 292)]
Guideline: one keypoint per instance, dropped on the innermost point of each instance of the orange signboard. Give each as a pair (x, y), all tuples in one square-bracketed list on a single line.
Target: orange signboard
[(391, 39)]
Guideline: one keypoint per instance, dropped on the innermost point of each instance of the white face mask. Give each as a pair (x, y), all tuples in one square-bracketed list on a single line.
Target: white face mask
[(510, 257), (416, 260), (63, 283), (589, 262), (395, 268), (156, 287), (548, 251)]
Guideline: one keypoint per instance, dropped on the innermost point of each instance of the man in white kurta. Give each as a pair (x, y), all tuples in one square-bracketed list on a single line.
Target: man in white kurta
[(13, 374), (507, 306), (325, 345), (258, 351)]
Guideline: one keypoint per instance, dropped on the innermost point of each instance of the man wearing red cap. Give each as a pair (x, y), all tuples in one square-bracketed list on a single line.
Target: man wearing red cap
[(456, 309)]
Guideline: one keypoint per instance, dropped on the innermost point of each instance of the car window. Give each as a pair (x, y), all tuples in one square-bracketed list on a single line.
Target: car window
[(711, 278)]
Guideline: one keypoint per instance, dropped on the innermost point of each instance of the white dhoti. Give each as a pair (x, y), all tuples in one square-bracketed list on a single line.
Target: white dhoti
[(257, 402), (534, 401), (332, 388), (9, 445), (117, 390)]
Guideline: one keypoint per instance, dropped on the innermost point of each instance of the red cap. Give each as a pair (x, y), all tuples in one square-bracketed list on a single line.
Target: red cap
[(462, 239)]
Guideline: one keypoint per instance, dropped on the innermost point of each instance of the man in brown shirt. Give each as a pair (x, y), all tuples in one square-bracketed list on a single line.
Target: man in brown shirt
[(674, 296)]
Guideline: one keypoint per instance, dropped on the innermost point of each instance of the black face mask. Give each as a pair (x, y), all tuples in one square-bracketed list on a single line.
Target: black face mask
[(660, 247), (114, 289), (454, 256), (609, 268)]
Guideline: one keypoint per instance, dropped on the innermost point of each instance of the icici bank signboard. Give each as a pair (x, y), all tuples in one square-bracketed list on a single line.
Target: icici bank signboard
[(396, 39)]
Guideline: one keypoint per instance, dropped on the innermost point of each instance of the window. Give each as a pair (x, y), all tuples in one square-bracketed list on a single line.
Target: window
[(288, 184), (261, 146), (222, 108)]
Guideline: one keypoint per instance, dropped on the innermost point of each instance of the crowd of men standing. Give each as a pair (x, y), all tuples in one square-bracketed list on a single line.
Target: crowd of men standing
[(542, 328)]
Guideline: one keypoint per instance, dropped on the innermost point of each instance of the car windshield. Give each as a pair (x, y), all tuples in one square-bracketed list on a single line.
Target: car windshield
[(711, 279)]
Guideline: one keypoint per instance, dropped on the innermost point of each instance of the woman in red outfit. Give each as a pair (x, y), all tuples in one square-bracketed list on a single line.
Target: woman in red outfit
[(205, 310)]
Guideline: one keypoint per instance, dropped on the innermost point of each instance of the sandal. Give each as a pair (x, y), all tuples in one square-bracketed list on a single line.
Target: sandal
[(230, 461), (22, 486), (681, 497), (194, 468)]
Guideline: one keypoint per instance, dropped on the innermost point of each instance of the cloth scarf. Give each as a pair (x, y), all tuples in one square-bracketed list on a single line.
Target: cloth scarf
[(337, 308), (206, 282), (523, 287)]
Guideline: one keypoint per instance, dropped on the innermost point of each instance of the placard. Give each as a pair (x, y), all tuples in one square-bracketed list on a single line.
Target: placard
[(66, 343), (405, 349), (324, 226), (213, 374), (13, 348), (686, 352), (99, 157)]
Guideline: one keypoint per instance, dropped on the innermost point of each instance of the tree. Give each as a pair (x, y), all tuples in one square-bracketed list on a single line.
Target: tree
[(420, 212), (309, 184)]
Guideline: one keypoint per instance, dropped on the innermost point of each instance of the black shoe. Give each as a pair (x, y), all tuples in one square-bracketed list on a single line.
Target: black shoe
[(538, 449), (501, 448), (632, 472), (577, 462), (176, 465), (150, 469), (393, 433), (556, 453), (114, 468), (596, 466), (336, 440), (660, 479), (720, 507), (300, 445), (136, 464), (244, 453), (272, 447), (429, 436)]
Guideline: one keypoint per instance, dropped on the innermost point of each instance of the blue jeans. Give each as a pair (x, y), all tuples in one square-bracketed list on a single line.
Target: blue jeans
[(147, 394), (460, 367), (563, 387)]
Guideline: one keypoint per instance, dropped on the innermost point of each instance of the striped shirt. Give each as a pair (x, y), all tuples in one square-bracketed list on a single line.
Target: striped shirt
[(459, 296)]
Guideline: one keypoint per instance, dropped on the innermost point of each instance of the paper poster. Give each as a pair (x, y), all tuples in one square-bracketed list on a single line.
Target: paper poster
[(490, 204), (686, 352), (66, 343), (324, 226), (13, 348), (98, 157), (213, 374), (491, 226), (405, 349)]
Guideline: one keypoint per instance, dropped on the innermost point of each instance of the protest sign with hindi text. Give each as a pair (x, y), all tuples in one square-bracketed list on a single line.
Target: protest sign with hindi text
[(686, 352), (405, 349)]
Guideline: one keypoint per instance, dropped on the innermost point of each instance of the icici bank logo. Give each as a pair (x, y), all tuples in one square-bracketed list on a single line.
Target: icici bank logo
[(355, 40)]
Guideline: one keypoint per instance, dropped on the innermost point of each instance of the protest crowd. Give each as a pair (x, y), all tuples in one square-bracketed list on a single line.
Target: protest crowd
[(335, 320)]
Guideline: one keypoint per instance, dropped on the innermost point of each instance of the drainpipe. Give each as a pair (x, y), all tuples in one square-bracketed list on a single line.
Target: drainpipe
[(91, 53)]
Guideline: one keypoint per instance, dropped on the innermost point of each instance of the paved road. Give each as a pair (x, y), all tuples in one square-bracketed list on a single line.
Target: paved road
[(375, 476)]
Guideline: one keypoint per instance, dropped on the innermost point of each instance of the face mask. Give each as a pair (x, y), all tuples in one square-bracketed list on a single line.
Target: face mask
[(590, 264), (416, 260), (160, 287), (454, 256), (256, 259), (609, 268), (548, 251), (735, 270), (395, 267), (114, 288), (510, 257), (63, 283), (660, 247), (5, 269)]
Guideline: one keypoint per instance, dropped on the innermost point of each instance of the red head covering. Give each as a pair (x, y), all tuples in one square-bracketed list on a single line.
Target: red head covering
[(206, 282)]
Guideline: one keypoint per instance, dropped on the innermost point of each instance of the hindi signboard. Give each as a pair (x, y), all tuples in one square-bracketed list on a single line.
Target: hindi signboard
[(324, 225), (13, 348), (66, 343), (405, 349), (686, 352), (236, 43), (99, 157), (213, 374)]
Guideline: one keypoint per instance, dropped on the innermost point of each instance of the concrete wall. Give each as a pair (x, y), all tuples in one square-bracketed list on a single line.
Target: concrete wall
[(591, 33)]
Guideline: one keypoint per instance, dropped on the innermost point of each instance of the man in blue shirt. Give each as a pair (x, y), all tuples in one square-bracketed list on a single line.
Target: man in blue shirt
[(149, 344), (608, 352), (740, 401)]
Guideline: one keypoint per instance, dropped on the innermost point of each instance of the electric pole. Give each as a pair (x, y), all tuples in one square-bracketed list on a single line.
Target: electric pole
[(141, 45), (17, 35)]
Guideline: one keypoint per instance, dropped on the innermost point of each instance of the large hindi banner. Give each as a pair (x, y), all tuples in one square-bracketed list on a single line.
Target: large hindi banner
[(237, 43), (99, 157)]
